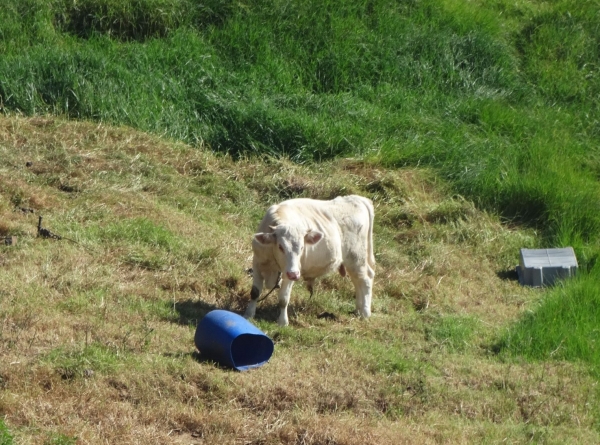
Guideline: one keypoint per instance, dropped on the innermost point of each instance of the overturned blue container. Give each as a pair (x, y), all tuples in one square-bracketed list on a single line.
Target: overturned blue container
[(231, 340)]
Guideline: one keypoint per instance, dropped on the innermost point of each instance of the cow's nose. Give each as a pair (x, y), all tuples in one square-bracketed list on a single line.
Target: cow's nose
[(294, 276)]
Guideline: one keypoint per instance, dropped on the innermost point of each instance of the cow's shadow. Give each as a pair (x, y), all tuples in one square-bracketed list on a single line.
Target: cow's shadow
[(269, 312), (190, 312)]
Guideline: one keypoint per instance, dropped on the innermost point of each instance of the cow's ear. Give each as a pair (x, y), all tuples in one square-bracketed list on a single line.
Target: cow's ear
[(313, 236), (265, 238)]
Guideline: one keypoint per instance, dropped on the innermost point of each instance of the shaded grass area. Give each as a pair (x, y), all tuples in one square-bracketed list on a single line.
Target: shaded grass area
[(99, 348)]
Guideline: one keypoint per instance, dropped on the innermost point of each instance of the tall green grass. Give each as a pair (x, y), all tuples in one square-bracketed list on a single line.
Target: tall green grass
[(564, 326), (527, 164), (502, 98), (304, 79)]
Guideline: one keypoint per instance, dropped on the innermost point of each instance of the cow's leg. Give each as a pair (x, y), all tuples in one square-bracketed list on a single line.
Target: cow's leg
[(284, 299), (257, 286), (363, 285), (310, 285), (269, 280)]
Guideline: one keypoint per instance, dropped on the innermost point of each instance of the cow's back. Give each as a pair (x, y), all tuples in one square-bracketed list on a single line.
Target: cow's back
[(346, 221), (345, 211)]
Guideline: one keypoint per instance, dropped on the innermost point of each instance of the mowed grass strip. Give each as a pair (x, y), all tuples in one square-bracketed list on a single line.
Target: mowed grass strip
[(97, 329)]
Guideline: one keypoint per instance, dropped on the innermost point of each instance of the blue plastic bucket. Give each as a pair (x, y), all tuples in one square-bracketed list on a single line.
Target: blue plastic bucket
[(231, 340)]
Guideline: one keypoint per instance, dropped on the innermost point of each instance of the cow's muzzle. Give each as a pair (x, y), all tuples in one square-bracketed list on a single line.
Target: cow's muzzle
[(293, 276)]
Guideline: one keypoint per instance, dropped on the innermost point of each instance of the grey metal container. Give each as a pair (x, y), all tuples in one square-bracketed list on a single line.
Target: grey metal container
[(542, 267)]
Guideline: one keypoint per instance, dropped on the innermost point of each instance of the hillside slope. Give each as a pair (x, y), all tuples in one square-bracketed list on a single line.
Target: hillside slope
[(501, 97), (97, 327)]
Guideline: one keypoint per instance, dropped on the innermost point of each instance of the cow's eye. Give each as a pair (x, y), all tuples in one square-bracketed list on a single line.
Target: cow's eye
[(280, 248)]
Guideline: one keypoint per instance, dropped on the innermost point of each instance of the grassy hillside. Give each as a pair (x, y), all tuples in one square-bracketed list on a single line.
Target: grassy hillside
[(501, 97), (97, 328), (158, 131)]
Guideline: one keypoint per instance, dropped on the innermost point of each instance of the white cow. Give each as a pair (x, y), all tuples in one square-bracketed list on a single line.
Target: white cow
[(308, 238)]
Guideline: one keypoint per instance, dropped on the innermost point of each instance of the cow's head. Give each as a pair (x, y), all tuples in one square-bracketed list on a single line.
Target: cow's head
[(289, 242)]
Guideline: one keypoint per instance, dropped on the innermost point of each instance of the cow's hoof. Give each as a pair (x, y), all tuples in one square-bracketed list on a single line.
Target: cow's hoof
[(363, 314)]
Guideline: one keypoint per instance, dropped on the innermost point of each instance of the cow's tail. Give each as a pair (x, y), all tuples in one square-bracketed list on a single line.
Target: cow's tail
[(370, 253)]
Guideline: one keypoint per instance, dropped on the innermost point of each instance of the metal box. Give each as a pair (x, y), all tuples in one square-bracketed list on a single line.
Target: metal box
[(542, 267)]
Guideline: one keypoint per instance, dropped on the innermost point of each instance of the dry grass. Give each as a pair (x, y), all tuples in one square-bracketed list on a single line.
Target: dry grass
[(96, 333)]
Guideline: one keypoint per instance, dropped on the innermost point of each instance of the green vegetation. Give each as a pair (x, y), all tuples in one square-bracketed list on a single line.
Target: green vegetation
[(454, 333), (5, 436), (61, 439), (500, 97), (564, 326), (452, 116)]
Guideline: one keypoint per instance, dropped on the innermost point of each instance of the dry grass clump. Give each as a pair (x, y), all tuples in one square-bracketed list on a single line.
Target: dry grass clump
[(96, 329)]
